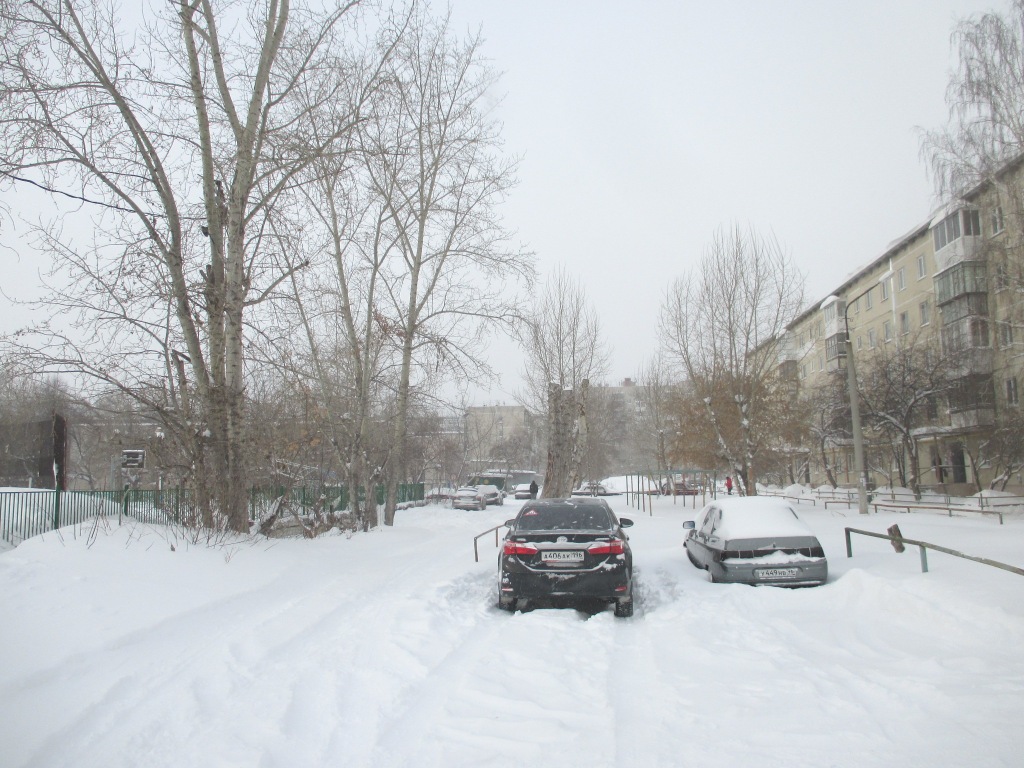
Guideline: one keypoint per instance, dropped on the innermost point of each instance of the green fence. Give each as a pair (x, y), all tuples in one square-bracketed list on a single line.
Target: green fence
[(28, 513)]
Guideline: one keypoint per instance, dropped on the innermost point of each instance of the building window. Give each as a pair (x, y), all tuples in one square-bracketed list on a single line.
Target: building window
[(887, 330), (926, 312), (904, 323), (885, 289), (835, 346), (965, 277), (979, 332), (972, 223), (803, 371), (1005, 334), (868, 299), (971, 392), (871, 339), (830, 312), (922, 267), (856, 307), (860, 343), (901, 279), (997, 220), (1002, 277), (965, 306), (1011, 391), (948, 230)]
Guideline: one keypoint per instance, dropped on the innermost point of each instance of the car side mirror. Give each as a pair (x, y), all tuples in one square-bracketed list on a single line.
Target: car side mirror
[(689, 524), (625, 522), (509, 523)]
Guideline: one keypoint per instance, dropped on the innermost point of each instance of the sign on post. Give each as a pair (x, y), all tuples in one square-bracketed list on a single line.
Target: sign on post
[(133, 459)]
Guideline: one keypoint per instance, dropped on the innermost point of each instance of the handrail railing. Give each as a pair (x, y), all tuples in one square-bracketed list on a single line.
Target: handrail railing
[(898, 542), (948, 508), (476, 554)]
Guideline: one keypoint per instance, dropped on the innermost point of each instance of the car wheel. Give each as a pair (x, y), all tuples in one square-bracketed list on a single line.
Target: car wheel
[(694, 560), (624, 609), (506, 603), (711, 576)]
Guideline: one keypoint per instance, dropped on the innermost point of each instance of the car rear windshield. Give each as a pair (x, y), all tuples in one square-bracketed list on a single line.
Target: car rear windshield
[(565, 517)]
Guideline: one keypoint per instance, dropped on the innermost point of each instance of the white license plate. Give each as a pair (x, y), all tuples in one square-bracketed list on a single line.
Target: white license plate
[(558, 556), (776, 573)]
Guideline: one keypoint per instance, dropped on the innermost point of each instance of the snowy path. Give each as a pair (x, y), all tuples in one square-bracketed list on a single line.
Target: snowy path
[(386, 650)]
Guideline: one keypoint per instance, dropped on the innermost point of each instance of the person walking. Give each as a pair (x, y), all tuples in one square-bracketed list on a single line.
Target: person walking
[(728, 484), (533, 489)]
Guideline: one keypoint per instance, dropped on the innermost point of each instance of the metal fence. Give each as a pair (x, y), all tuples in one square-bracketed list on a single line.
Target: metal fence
[(28, 513)]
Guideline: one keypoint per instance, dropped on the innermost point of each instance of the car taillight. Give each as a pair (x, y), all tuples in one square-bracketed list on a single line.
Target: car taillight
[(519, 548), (613, 547)]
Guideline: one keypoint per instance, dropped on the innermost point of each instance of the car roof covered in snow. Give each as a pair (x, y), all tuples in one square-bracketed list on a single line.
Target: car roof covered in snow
[(753, 517)]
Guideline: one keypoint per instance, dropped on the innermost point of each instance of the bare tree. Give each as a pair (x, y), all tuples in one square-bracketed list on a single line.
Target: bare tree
[(181, 136), (655, 425), (985, 96), (1002, 451), (431, 153), (900, 389), (564, 352), (722, 324), (828, 426)]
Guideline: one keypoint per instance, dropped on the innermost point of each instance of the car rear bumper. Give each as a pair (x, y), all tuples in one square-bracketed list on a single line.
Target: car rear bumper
[(605, 584), (807, 574)]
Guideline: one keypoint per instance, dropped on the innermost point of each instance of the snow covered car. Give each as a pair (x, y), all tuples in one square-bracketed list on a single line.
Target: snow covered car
[(492, 494), (678, 486), (440, 493), (592, 488), (469, 498), (522, 492), (755, 540), (566, 550)]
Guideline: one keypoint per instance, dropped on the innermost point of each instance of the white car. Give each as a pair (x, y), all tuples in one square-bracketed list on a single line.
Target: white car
[(755, 540), (469, 497), (522, 492), (492, 494)]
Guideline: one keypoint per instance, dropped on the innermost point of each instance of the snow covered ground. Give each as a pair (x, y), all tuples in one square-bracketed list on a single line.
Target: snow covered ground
[(386, 649)]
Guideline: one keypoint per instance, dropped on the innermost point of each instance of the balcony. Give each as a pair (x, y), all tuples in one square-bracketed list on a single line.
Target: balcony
[(957, 238), (973, 418)]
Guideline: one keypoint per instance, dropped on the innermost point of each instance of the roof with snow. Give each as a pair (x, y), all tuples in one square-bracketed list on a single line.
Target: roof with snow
[(754, 517)]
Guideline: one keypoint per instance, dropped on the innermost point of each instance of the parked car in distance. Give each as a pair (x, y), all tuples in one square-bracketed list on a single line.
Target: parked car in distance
[(755, 540), (592, 488), (469, 497), (566, 550), (440, 493), (680, 488), (522, 491), (492, 494)]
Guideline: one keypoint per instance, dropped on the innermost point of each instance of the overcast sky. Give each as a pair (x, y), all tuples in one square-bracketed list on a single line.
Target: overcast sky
[(645, 126)]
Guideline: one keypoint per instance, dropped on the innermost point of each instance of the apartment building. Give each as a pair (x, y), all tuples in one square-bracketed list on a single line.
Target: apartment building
[(950, 286)]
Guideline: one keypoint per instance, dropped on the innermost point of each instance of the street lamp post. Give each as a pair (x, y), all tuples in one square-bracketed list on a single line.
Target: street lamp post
[(855, 425), (858, 435)]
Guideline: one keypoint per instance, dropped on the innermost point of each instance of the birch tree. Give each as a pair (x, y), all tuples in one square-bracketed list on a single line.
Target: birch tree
[(722, 324)]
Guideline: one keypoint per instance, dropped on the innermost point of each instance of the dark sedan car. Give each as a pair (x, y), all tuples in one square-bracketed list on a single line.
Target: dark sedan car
[(755, 540), (570, 550)]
